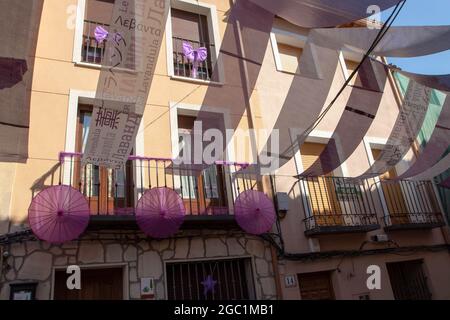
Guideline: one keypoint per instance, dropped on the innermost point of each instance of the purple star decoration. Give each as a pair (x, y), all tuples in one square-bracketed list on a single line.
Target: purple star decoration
[(196, 56), (208, 285)]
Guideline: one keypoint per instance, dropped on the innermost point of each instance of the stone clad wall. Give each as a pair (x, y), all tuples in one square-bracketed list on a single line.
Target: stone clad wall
[(34, 260)]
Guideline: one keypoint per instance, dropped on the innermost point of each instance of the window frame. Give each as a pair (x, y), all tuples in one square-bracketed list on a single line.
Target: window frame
[(210, 11), (296, 40)]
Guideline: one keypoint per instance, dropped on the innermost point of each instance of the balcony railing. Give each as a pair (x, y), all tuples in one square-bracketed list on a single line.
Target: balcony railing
[(208, 193), (411, 205), (183, 67), (91, 50), (336, 205)]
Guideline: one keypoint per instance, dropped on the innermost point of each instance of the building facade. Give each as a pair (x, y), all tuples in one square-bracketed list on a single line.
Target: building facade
[(328, 232)]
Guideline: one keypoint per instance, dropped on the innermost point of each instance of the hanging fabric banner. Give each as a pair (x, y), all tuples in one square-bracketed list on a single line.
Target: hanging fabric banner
[(397, 42), (133, 43), (18, 38), (324, 13), (435, 147), (317, 79), (359, 114), (445, 183), (242, 53), (440, 167), (405, 131), (438, 82)]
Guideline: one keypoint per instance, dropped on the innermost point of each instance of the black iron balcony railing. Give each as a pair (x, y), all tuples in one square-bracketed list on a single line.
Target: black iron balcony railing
[(411, 205), (91, 50), (208, 193), (184, 68), (336, 205)]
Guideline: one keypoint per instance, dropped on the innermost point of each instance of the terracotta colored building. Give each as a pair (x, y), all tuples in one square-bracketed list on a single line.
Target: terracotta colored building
[(327, 233)]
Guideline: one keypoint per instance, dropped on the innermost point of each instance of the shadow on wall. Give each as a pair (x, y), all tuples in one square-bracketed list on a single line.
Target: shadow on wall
[(52, 176), (17, 57)]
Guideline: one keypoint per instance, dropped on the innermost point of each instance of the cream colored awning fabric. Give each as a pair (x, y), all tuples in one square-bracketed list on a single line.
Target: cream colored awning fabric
[(323, 13), (397, 42), (19, 21)]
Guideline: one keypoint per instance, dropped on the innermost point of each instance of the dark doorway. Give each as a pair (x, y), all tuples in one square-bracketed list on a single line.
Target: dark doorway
[(96, 284), (408, 280)]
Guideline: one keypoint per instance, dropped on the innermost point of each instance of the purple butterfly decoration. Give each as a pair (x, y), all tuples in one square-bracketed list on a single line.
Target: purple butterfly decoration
[(208, 285), (196, 56), (101, 34)]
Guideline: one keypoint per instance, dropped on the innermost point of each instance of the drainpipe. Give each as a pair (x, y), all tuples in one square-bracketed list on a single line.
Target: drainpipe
[(276, 272)]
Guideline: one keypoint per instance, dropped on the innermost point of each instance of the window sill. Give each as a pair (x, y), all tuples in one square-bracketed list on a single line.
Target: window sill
[(88, 65), (197, 81), (288, 72)]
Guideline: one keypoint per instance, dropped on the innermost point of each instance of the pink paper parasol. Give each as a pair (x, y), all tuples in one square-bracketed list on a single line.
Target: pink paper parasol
[(254, 212), (160, 212), (58, 214)]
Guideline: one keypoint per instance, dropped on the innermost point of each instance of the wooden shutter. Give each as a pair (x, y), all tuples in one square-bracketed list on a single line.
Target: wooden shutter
[(96, 284), (316, 286), (322, 192), (100, 11), (189, 26), (393, 195)]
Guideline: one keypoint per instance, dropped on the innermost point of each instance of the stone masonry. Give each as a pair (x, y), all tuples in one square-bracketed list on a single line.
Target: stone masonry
[(36, 260)]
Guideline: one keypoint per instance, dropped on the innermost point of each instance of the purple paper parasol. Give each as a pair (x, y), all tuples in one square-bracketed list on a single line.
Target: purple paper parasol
[(254, 212), (58, 214), (160, 212)]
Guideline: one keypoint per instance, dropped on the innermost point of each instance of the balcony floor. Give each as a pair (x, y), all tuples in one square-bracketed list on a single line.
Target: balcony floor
[(325, 230), (414, 226), (128, 222)]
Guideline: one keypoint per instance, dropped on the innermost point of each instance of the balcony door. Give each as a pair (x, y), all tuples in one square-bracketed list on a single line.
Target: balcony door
[(393, 194), (107, 191), (202, 192), (322, 190)]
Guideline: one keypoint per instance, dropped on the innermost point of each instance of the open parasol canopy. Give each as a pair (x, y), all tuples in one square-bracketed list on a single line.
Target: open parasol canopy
[(58, 214), (160, 212), (254, 212)]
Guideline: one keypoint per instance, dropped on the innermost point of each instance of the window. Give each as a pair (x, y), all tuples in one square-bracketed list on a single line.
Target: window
[(290, 57), (288, 50), (351, 67), (195, 25), (190, 28), (408, 280), (229, 280), (98, 13)]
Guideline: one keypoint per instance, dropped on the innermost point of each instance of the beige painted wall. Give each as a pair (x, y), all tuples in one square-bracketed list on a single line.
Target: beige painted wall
[(56, 74)]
